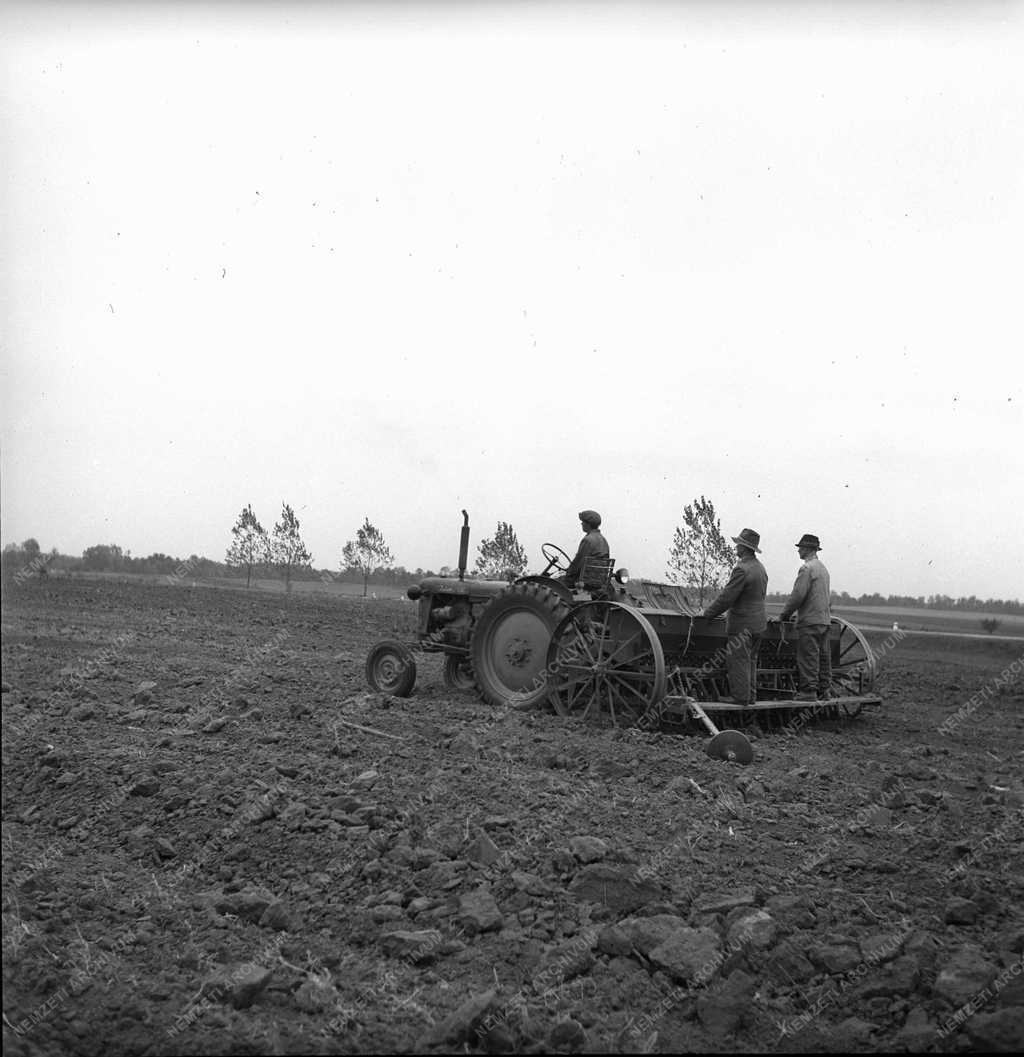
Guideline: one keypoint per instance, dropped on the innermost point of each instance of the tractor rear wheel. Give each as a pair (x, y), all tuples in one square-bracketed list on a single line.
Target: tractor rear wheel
[(510, 644), (391, 668)]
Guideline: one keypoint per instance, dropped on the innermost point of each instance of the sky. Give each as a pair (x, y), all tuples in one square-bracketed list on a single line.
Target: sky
[(397, 260)]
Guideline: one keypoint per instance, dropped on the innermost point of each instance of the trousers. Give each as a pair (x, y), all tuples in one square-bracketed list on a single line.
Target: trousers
[(741, 664), (813, 659)]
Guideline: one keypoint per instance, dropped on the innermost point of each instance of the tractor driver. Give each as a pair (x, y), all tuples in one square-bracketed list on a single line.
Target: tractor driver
[(593, 545)]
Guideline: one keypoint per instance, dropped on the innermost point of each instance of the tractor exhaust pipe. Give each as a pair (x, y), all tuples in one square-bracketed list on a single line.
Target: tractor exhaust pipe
[(464, 546)]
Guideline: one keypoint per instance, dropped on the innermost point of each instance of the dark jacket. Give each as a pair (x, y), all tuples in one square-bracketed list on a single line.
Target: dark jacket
[(743, 596), (593, 544), (811, 595)]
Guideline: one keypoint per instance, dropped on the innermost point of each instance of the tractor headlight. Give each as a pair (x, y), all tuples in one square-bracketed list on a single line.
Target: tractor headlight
[(622, 576), (414, 592)]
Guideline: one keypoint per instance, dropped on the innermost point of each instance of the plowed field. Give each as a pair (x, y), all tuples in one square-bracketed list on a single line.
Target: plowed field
[(217, 840)]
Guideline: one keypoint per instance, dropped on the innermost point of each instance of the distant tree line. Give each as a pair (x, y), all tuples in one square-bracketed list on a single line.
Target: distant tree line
[(969, 604), (700, 558), (22, 561), (110, 558)]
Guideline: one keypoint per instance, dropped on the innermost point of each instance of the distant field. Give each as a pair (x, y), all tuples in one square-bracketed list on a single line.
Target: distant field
[(912, 619), (273, 586), (993, 653), (908, 617), (314, 587)]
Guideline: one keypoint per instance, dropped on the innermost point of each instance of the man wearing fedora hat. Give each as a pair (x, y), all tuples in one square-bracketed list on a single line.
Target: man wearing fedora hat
[(743, 596), (811, 597)]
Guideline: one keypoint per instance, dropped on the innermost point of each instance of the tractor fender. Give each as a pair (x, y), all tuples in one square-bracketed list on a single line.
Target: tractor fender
[(551, 583)]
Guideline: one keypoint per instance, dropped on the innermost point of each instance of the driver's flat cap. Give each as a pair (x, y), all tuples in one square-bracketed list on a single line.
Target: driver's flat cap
[(591, 517)]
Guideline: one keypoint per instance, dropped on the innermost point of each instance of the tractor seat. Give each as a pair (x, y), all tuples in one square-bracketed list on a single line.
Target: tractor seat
[(596, 573)]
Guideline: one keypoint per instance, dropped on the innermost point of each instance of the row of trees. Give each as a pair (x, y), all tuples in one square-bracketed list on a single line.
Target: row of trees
[(283, 549), (700, 559), (253, 548), (255, 551)]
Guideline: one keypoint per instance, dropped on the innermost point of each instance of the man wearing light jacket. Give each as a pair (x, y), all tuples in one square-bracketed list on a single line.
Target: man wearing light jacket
[(743, 596), (811, 595)]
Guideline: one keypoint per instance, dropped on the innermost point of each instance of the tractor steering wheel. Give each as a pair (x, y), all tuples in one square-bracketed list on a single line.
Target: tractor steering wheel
[(552, 558)]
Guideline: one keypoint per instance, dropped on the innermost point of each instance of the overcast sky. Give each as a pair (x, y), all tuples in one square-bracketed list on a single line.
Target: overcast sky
[(396, 260)]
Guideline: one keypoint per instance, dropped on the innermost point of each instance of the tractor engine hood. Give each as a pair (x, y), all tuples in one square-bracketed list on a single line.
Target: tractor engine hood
[(444, 585)]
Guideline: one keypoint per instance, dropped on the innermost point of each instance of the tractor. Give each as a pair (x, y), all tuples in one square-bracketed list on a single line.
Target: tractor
[(627, 652), (494, 634)]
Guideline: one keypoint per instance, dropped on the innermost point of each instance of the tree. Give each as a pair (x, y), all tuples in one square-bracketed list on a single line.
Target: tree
[(285, 548), (104, 557), (701, 557), (249, 545), (12, 560), (990, 624), (502, 558), (366, 553), (25, 561)]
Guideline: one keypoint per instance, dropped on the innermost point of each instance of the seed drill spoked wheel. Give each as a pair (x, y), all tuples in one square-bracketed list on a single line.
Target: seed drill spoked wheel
[(605, 659), (391, 668), (510, 643), (853, 674)]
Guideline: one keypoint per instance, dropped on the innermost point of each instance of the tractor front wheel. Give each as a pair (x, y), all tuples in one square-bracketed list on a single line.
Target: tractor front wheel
[(391, 668)]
